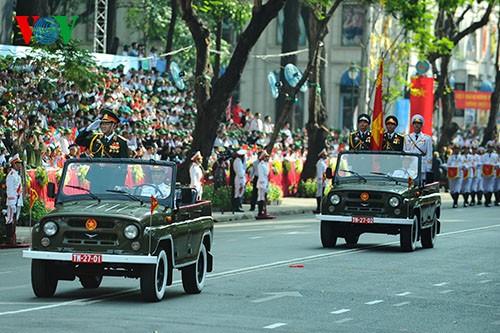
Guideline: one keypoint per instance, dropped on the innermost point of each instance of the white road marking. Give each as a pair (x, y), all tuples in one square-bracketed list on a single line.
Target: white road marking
[(496, 322), (256, 237), (5, 272), (440, 284), (447, 291), (341, 321), (277, 295), (481, 274), (485, 281), (401, 304), (22, 286), (374, 302), (340, 311), (275, 325), (404, 294)]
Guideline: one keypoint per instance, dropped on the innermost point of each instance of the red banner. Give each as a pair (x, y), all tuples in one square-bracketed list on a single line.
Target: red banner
[(378, 114), (472, 100), (422, 100)]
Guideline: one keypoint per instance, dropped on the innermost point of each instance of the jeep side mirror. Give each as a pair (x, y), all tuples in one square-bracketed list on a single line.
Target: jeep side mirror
[(51, 190), (328, 173)]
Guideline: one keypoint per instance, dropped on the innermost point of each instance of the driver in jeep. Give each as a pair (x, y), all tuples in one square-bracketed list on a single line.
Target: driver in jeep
[(157, 186)]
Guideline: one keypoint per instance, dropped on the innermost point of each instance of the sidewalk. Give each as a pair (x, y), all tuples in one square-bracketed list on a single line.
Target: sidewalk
[(288, 206)]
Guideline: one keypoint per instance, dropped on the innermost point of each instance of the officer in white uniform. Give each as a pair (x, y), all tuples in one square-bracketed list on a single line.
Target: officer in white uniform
[(320, 179), (474, 174), (488, 161), (240, 179), (467, 170), (196, 174), (157, 174), (262, 181), (479, 192), (14, 196), (455, 164), (497, 177), (420, 143)]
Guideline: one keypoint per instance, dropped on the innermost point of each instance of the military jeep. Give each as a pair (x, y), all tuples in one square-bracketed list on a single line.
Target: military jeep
[(122, 217), (380, 192)]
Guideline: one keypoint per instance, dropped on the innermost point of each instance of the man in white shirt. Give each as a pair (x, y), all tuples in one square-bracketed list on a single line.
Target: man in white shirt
[(420, 143), (320, 179), (262, 181), (256, 123)]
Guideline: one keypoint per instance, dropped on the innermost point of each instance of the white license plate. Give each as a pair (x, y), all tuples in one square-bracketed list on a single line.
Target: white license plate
[(362, 219), (85, 258)]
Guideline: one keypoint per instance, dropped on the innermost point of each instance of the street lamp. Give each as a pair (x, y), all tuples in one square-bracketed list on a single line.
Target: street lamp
[(353, 74)]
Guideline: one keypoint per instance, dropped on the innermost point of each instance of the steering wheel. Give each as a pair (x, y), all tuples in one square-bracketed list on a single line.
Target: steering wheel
[(136, 188)]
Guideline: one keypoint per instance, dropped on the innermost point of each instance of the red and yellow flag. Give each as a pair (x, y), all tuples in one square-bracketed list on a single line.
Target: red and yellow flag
[(154, 204), (378, 114), (33, 197)]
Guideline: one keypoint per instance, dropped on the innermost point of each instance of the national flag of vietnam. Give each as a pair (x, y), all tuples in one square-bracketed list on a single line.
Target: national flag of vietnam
[(154, 204), (378, 114)]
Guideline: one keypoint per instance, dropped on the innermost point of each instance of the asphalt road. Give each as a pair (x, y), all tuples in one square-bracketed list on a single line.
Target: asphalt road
[(275, 276)]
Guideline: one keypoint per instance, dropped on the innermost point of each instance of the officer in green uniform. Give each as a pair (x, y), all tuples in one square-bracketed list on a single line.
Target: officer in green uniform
[(105, 144), (360, 140), (392, 140)]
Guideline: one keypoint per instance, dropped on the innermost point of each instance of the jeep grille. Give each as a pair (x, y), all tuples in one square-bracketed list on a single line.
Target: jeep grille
[(354, 204), (105, 235)]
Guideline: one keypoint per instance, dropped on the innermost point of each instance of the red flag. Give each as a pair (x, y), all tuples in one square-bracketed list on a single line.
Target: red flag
[(154, 204), (33, 197), (378, 114)]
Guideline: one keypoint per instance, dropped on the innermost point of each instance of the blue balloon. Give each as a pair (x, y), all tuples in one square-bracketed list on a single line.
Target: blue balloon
[(46, 30)]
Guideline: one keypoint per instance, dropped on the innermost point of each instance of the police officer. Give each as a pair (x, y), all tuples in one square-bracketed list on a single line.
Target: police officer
[(196, 174), (14, 197), (455, 164), (262, 181), (488, 161), (420, 143), (360, 140), (392, 140), (320, 178), (105, 144)]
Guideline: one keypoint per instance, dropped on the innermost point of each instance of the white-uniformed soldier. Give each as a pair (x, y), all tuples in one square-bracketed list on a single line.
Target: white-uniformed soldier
[(239, 174), (262, 181), (474, 174), (497, 177), (420, 143), (455, 164), (480, 153), (488, 161), (196, 174), (467, 170), (320, 178), (14, 197)]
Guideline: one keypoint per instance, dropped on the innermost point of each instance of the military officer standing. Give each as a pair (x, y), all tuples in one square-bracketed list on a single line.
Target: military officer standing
[(196, 174), (105, 144), (488, 161), (474, 187), (392, 140), (320, 179), (14, 197), (262, 181), (360, 140), (455, 164), (420, 143), (466, 173), (497, 177)]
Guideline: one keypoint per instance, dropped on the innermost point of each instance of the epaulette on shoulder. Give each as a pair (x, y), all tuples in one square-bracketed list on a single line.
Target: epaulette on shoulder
[(121, 137)]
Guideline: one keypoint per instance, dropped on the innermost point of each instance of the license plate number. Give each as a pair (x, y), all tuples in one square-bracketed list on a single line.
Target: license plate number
[(362, 219), (87, 258)]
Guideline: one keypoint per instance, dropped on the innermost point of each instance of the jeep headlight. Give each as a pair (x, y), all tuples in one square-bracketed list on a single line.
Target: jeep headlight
[(50, 228), (131, 231), (335, 199), (394, 201)]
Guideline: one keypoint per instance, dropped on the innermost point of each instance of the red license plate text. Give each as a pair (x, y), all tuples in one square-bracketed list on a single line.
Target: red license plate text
[(86, 258), (362, 219)]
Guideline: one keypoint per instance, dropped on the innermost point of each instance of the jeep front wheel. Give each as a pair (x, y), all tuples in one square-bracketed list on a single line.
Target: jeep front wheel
[(328, 235), (154, 279), (90, 281), (409, 236), (428, 237), (43, 282), (193, 276)]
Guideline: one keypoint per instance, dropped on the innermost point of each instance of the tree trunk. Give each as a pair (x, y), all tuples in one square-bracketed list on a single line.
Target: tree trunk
[(6, 13), (290, 43), (316, 124), (171, 30), (211, 104)]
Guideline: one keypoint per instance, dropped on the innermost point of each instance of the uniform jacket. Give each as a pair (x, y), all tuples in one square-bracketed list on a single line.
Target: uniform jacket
[(394, 142), (116, 147), (14, 189), (358, 141), (263, 175), (421, 145), (196, 176)]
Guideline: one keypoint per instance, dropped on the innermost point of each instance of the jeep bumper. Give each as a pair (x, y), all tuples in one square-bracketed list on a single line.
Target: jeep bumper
[(376, 220), (106, 258)]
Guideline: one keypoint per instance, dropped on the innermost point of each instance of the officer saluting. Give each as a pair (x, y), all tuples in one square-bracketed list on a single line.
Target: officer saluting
[(105, 144), (360, 140), (392, 140)]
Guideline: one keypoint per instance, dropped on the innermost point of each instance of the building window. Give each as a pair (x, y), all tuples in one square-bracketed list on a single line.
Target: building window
[(353, 17)]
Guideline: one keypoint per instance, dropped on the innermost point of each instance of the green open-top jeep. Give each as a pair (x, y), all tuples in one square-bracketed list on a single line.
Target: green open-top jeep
[(122, 217), (380, 192)]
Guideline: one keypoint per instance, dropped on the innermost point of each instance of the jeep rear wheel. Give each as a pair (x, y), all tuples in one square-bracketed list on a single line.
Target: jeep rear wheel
[(43, 282), (90, 281), (409, 236), (351, 239), (193, 276), (428, 237), (328, 235), (154, 279)]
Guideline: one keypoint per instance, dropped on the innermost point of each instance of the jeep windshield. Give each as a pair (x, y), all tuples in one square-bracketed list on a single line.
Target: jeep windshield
[(108, 179), (366, 166)]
